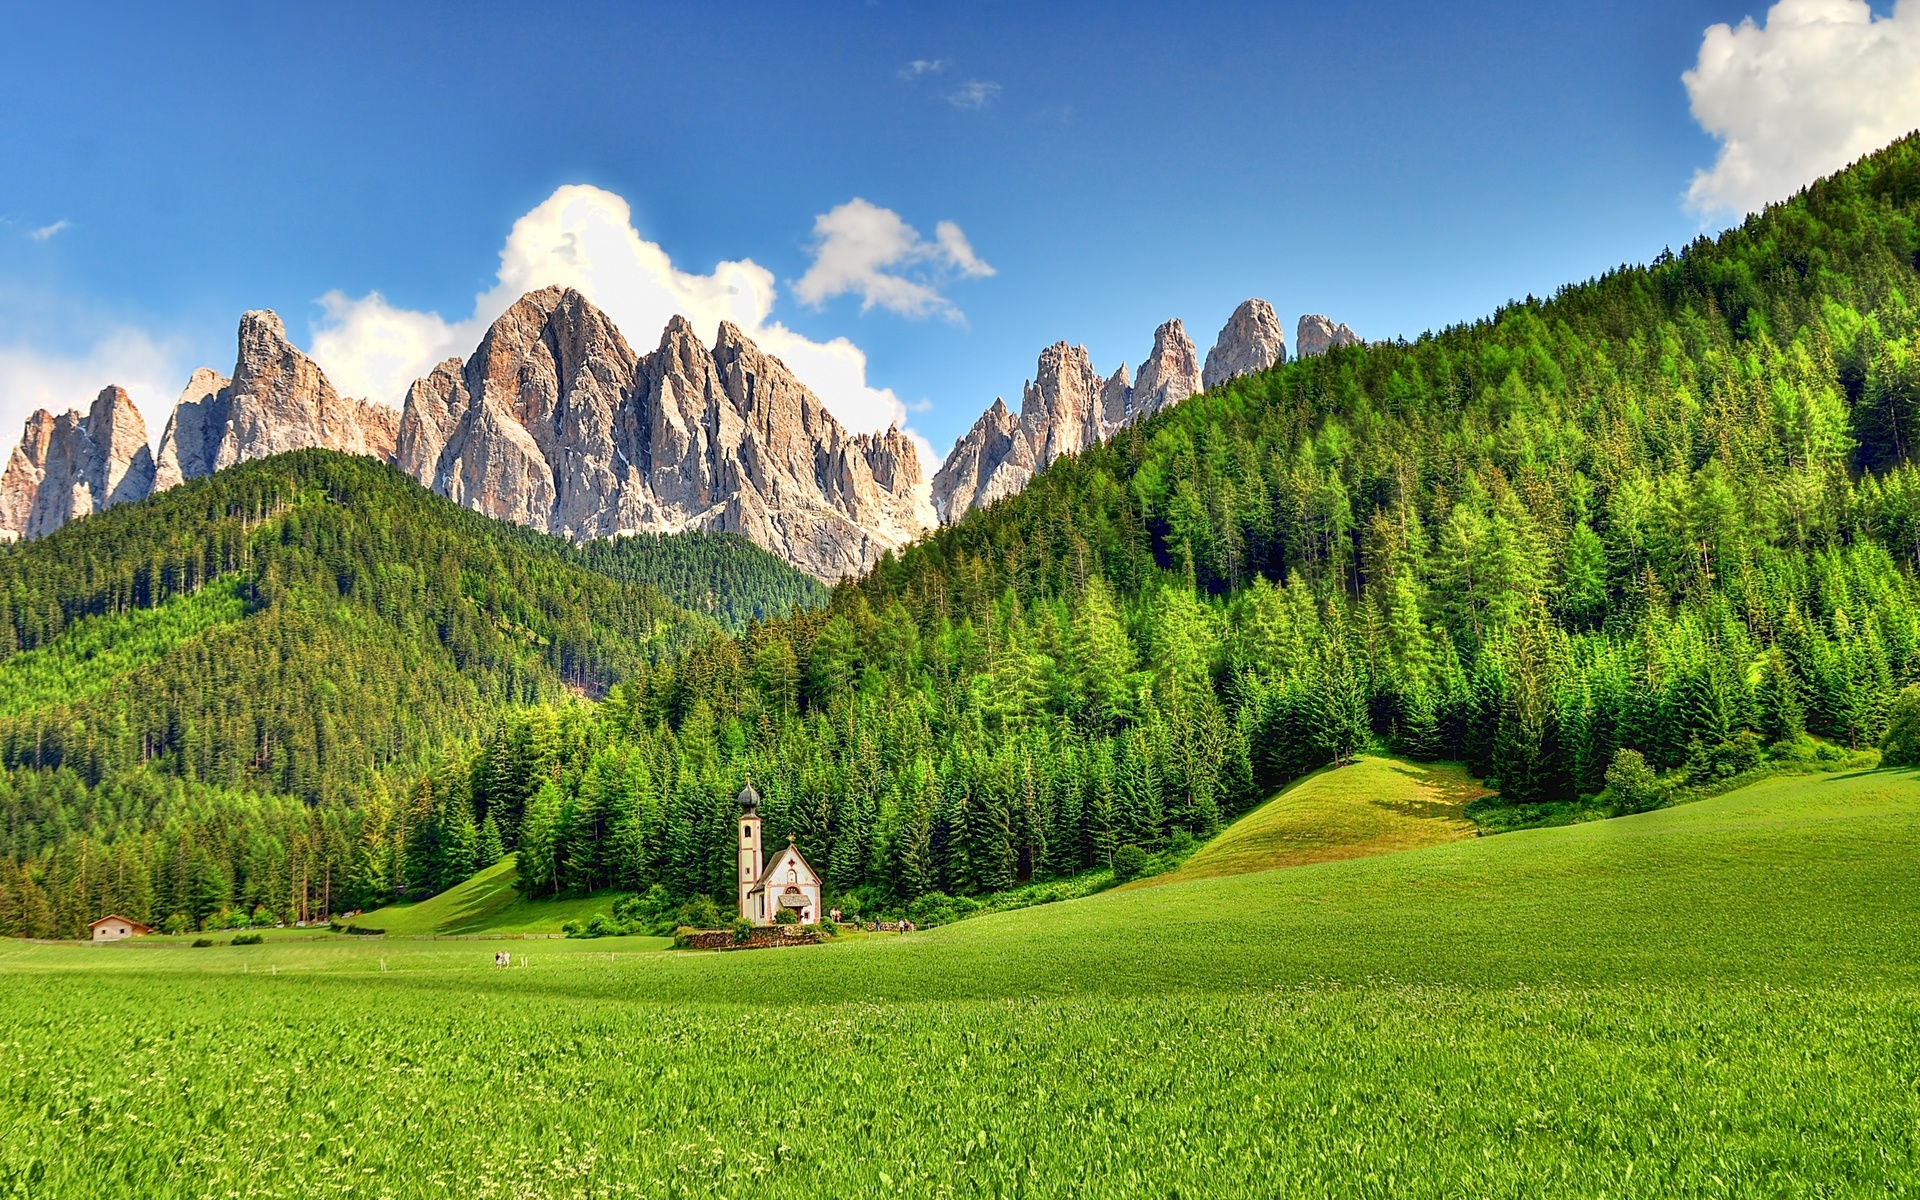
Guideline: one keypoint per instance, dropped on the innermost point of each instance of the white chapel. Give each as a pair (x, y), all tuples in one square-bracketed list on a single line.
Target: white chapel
[(767, 886)]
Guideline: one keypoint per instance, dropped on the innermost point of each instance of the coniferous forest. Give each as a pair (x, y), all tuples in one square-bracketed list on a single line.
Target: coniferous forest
[(1671, 510)]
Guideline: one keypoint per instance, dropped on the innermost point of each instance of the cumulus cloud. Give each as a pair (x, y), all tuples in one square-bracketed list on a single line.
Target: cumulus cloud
[(974, 93), (1818, 84), (583, 237), (863, 249), (46, 232), (922, 66), (152, 371)]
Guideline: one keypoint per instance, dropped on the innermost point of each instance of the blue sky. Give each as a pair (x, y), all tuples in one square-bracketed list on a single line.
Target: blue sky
[(1397, 166)]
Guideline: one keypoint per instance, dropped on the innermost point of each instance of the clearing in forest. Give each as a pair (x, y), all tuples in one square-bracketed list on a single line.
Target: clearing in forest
[(1374, 805)]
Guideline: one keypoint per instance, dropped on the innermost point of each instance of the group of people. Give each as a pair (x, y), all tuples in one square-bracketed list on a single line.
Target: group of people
[(503, 958), (906, 926)]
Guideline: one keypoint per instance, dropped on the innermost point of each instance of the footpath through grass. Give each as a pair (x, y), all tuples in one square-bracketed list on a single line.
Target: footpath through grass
[(1720, 999)]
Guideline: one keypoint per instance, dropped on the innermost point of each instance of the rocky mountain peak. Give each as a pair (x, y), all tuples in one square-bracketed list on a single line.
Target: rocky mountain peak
[(1316, 334), (1068, 406), (1170, 374), (1116, 399), (20, 484), (562, 427), (70, 465), (277, 400), (1250, 341), (993, 459), (1060, 406)]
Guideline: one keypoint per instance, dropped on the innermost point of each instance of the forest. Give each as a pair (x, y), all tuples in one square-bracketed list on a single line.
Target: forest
[(1672, 510), (202, 695)]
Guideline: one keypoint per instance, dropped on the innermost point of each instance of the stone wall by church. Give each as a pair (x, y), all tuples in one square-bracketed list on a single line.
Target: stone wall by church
[(761, 937)]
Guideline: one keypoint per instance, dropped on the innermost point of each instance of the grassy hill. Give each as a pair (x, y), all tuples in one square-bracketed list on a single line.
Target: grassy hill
[(1718, 999), (1374, 805), (485, 905)]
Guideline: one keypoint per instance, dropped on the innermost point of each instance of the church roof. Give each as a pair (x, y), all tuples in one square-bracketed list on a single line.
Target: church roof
[(773, 864)]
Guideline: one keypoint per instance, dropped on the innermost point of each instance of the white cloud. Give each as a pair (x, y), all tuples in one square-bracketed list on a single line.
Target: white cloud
[(45, 232), (974, 93), (370, 348), (861, 248), (1820, 83), (583, 237), (922, 66), (153, 373)]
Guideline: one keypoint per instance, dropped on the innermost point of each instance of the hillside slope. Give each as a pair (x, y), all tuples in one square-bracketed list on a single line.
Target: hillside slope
[(311, 625), (1374, 805), (721, 575), (485, 905), (1673, 510)]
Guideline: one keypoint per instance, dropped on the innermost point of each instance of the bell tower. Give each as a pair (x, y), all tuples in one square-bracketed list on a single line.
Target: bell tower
[(752, 860)]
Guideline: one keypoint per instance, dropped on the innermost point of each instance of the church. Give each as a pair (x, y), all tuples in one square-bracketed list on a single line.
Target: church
[(786, 881)]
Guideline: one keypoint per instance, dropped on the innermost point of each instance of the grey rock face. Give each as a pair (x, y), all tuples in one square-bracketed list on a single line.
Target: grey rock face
[(1065, 408), (1116, 400), (1250, 341), (72, 465), (556, 423), (1170, 374), (1315, 335), (993, 459), (277, 400), (1061, 408), (183, 446), (20, 485), (434, 407)]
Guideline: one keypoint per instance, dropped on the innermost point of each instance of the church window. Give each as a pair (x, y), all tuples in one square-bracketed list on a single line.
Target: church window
[(792, 877)]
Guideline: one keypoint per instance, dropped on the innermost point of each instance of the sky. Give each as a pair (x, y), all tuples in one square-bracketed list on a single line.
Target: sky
[(906, 202)]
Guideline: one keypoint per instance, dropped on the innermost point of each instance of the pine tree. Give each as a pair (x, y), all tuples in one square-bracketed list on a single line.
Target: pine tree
[(488, 849)]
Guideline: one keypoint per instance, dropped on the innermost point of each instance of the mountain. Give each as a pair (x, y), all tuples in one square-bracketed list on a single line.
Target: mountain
[(1068, 407), (74, 464), (1667, 521), (556, 423), (1315, 335), (553, 423), (372, 623), (278, 400), (1251, 341), (1063, 410)]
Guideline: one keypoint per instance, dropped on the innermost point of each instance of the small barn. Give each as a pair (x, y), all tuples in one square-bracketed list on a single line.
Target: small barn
[(787, 880), (115, 928)]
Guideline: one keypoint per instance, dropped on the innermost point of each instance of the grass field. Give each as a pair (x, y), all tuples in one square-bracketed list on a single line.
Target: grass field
[(485, 905), (1374, 805), (1719, 999)]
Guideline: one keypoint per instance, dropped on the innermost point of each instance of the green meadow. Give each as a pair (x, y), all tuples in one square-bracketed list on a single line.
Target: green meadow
[(486, 905), (1716, 999)]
